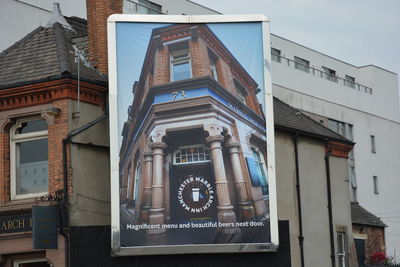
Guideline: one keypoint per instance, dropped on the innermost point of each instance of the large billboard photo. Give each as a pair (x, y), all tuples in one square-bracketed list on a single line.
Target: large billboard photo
[(191, 128)]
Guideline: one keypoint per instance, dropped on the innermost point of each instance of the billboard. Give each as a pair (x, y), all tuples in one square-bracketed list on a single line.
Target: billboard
[(191, 134)]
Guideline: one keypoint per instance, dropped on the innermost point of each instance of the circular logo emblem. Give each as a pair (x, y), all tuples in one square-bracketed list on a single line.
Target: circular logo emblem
[(195, 194)]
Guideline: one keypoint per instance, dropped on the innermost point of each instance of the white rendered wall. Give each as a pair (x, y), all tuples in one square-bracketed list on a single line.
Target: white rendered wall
[(383, 102), (370, 114)]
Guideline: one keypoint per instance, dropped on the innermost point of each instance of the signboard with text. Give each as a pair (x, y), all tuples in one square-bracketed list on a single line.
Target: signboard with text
[(191, 128)]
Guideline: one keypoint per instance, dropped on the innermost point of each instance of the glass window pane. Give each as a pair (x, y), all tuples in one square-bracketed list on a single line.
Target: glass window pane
[(32, 126), (32, 167), (181, 71)]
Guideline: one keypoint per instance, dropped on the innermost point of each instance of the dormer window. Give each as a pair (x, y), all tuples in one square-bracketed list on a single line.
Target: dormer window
[(180, 62)]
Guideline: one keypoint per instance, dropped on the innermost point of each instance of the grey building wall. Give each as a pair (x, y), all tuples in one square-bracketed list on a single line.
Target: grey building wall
[(89, 168), (314, 199)]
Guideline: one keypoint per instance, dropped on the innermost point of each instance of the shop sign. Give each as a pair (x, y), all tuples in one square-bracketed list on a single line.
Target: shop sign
[(44, 233), (15, 223)]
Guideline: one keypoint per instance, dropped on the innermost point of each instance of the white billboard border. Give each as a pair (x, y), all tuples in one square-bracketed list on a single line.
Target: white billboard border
[(117, 250)]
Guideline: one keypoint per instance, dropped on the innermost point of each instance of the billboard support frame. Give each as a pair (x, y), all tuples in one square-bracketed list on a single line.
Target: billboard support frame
[(117, 250)]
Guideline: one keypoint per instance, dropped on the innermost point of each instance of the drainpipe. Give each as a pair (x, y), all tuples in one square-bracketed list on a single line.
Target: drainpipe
[(65, 141), (328, 188), (301, 237)]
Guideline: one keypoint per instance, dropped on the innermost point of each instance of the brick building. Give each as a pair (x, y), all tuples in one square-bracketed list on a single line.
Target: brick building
[(39, 111)]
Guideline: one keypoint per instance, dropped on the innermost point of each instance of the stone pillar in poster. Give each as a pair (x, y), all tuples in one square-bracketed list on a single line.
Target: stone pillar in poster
[(246, 210), (225, 208), (157, 211), (148, 180)]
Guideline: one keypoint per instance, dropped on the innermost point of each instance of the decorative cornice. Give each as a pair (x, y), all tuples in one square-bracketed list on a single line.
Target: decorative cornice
[(47, 92), (338, 149)]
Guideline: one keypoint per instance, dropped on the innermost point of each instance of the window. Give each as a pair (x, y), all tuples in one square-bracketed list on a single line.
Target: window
[(128, 191), (337, 127), (330, 74), (138, 176), (260, 163), (29, 158), (240, 91), (147, 7), (302, 64), (342, 249), (180, 62), (31, 263), (213, 64), (349, 81), (375, 181), (191, 154), (276, 55), (373, 148)]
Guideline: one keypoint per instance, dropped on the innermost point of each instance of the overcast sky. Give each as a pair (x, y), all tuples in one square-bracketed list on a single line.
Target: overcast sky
[(360, 32)]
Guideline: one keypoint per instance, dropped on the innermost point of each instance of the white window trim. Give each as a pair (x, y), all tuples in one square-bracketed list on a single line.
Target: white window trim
[(344, 254), (172, 62), (18, 262), (192, 162), (18, 138)]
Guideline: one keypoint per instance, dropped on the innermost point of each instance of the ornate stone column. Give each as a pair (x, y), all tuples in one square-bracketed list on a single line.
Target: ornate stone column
[(148, 181), (157, 211), (225, 209), (245, 208)]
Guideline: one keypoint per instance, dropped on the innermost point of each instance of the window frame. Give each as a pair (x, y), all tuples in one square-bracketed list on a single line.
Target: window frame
[(301, 64), (373, 143), (276, 55), (344, 255), (138, 178), (330, 74), (179, 149), (17, 262), (375, 184), (149, 6), (172, 62), (14, 157), (349, 81)]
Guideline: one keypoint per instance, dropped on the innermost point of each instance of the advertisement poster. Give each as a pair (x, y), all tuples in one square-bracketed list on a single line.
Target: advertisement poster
[(190, 119)]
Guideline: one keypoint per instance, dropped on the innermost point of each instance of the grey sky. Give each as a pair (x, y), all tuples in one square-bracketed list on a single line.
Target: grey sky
[(360, 32)]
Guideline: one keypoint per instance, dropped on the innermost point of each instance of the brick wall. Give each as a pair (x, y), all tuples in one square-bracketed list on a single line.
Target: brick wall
[(375, 241), (56, 133), (4, 167)]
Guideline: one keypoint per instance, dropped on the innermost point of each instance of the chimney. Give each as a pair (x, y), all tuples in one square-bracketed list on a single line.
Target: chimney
[(97, 13)]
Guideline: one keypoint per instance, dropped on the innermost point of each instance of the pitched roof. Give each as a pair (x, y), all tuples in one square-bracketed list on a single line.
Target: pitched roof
[(46, 54), (290, 119), (359, 215)]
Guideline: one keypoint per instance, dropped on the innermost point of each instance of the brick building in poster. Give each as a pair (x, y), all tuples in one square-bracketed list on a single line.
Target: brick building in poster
[(195, 114)]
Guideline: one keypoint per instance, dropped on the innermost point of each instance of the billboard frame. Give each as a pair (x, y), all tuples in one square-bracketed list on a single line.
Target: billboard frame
[(117, 250)]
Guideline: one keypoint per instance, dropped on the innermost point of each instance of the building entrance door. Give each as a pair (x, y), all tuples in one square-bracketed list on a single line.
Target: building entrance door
[(193, 193)]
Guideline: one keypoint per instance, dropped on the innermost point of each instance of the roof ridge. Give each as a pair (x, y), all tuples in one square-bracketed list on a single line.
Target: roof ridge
[(62, 51), (29, 35)]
